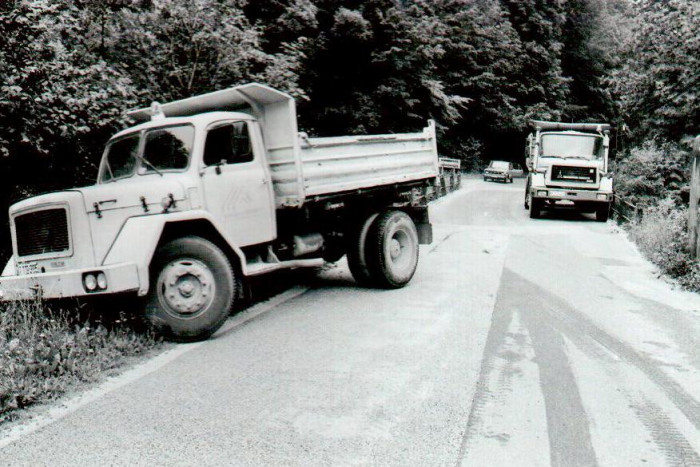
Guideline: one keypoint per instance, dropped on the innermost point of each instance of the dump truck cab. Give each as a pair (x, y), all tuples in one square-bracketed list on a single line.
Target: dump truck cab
[(568, 164)]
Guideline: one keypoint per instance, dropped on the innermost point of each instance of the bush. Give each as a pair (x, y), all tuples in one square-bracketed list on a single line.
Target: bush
[(651, 172), (45, 352), (662, 236)]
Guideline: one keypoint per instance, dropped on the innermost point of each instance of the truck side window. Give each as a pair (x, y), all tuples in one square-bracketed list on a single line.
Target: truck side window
[(228, 144)]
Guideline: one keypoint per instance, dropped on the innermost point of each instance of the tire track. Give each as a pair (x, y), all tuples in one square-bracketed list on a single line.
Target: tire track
[(585, 334), (567, 423), (676, 449)]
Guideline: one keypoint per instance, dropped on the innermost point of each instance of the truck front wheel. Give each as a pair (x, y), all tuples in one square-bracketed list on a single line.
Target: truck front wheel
[(602, 213), (535, 208), (192, 289), (392, 250)]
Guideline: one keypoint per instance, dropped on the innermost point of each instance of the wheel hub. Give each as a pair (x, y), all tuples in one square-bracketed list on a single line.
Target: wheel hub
[(186, 287), (395, 248)]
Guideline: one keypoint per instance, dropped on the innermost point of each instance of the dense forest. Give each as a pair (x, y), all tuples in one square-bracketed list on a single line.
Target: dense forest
[(480, 68)]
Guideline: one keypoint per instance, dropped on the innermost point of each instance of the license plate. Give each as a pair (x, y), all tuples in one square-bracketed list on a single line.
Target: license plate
[(28, 268)]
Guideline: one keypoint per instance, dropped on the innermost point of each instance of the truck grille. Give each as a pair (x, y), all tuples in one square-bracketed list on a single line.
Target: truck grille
[(41, 232), (562, 173)]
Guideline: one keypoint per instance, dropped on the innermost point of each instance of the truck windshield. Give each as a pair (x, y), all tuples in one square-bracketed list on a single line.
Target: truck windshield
[(120, 158), (166, 148), (574, 146)]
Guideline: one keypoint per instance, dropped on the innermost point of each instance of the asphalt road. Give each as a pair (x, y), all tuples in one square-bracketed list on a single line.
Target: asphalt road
[(518, 342)]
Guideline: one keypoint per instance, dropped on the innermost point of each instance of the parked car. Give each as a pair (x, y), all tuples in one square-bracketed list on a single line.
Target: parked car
[(500, 170)]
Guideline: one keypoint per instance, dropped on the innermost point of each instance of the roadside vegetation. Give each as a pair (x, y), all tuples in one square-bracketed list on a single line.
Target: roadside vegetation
[(48, 352)]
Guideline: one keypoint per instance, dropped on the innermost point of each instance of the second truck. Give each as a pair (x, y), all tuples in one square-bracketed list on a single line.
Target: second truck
[(211, 190), (568, 167)]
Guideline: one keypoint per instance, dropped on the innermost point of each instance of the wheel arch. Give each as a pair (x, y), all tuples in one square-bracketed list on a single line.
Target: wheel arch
[(140, 237)]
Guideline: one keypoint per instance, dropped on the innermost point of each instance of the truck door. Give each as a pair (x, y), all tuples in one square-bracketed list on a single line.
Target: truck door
[(237, 185)]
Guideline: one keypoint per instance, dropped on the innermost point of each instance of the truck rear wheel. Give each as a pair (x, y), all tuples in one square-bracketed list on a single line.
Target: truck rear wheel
[(357, 251), (192, 289), (602, 213), (392, 250)]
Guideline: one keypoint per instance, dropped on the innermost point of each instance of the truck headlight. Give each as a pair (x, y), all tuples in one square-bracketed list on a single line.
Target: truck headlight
[(90, 282), (541, 192), (95, 281), (102, 281), (601, 197)]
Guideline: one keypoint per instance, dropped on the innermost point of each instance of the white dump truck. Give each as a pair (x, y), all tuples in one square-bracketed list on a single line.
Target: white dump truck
[(210, 190), (568, 164)]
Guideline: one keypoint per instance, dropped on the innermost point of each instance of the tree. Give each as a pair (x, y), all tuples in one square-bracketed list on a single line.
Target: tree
[(56, 98), (657, 82)]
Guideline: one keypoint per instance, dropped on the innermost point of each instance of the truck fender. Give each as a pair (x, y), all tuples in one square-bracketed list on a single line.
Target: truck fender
[(537, 180), (606, 184), (139, 237), (10, 268)]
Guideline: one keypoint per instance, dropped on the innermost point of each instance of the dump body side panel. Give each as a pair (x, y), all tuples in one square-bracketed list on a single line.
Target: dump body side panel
[(350, 163)]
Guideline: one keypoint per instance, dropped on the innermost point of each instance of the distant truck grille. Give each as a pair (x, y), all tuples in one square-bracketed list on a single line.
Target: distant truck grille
[(42, 232), (562, 173)]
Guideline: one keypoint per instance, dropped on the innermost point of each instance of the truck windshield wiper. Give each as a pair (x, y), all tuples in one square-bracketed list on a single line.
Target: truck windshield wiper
[(145, 161)]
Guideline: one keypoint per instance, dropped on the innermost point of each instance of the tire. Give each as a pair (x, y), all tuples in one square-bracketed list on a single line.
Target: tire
[(392, 250), (535, 208), (602, 213), (526, 204), (356, 250), (486, 179), (192, 289)]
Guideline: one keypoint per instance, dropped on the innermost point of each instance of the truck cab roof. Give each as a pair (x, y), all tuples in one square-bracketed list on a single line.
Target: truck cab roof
[(199, 120)]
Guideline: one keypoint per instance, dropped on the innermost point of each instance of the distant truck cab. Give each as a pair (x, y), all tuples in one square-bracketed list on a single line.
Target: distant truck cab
[(208, 191), (568, 164)]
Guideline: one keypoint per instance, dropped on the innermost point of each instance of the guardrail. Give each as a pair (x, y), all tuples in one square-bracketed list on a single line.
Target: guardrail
[(626, 210)]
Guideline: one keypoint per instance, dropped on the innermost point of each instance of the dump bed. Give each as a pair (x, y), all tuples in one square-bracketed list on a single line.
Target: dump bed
[(334, 165), (305, 168)]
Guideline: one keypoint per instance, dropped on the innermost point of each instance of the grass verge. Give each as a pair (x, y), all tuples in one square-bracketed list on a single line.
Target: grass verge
[(662, 236), (46, 351)]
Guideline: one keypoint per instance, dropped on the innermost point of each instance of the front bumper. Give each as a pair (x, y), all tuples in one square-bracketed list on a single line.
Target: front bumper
[(496, 176), (64, 284), (566, 194)]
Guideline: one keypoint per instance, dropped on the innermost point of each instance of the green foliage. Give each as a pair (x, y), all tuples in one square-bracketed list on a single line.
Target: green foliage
[(662, 236), (652, 172), (53, 93), (658, 78), (44, 353)]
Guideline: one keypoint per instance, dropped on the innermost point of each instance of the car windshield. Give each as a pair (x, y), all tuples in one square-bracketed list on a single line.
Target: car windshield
[(503, 165), (572, 146), (167, 148)]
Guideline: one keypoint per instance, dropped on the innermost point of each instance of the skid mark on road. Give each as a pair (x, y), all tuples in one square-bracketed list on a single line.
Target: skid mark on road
[(567, 423), (557, 315), (506, 425)]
